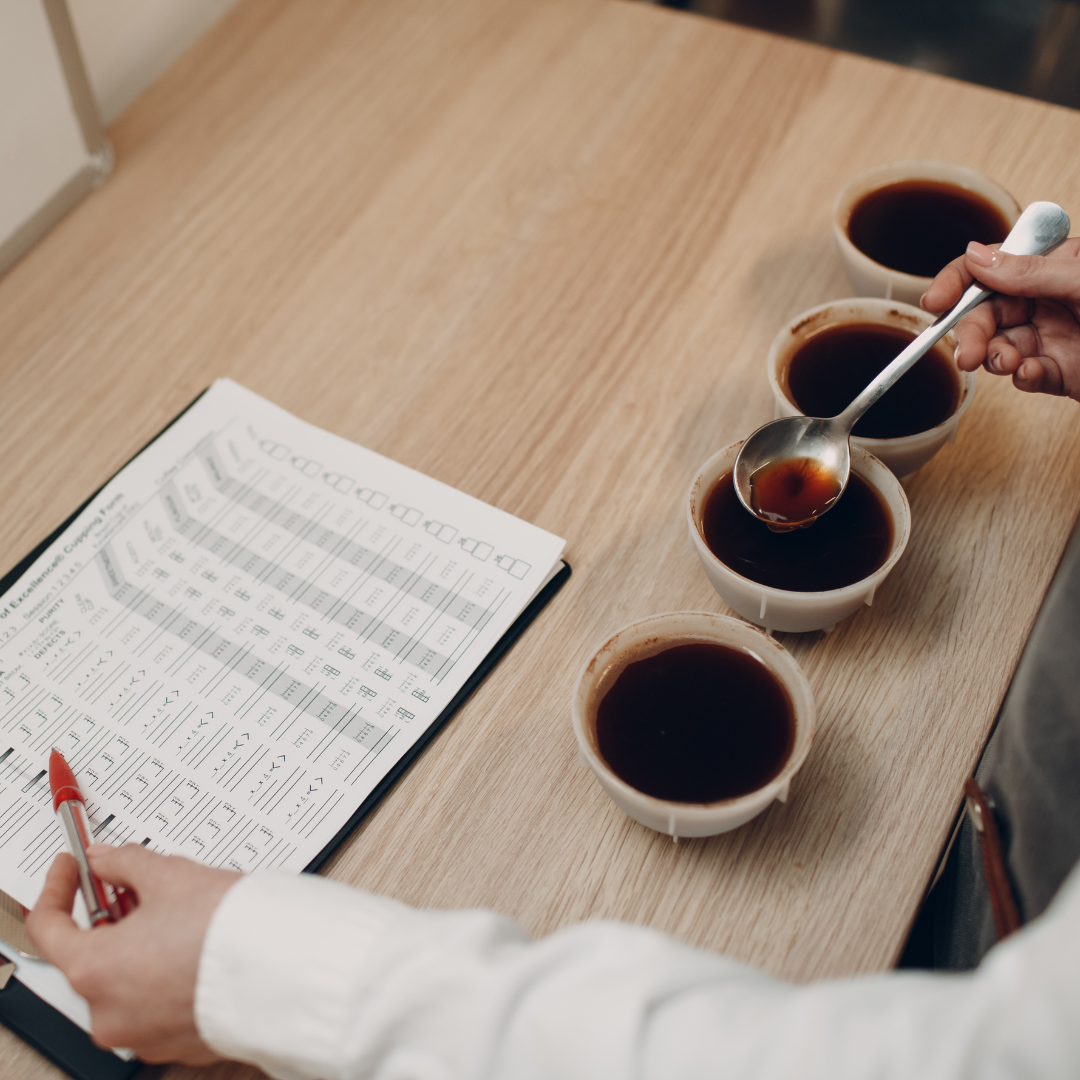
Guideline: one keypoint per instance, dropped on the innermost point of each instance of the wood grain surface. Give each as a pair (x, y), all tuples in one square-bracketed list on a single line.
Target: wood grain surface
[(538, 250)]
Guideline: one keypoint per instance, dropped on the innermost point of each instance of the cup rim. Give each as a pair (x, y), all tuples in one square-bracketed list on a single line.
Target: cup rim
[(946, 172), (863, 462), (726, 630), (968, 379)]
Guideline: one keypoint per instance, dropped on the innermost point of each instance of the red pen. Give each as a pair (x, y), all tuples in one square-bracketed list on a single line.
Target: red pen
[(70, 807)]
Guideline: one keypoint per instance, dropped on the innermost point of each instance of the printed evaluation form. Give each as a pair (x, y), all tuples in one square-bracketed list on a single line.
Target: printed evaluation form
[(240, 635)]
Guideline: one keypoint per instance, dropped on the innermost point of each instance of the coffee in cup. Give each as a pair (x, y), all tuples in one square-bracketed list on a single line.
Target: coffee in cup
[(695, 722), (845, 545), (822, 358), (828, 370), (801, 586), (897, 225), (920, 226), (692, 722)]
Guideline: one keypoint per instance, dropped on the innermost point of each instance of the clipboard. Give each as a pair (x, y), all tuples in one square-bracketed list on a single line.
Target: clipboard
[(62, 1041)]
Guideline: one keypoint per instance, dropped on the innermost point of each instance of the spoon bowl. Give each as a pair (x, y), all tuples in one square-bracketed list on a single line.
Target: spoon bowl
[(803, 457)]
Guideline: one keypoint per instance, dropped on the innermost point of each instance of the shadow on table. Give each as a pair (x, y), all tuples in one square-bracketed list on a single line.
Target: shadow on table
[(1029, 47)]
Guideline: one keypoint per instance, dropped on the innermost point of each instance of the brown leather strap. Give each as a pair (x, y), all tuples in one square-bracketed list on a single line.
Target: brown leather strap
[(1006, 917)]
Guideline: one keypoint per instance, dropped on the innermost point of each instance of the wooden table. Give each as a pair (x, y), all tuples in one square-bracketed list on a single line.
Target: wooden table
[(538, 249)]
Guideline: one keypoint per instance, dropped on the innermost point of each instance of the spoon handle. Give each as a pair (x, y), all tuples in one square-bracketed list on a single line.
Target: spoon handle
[(1038, 230)]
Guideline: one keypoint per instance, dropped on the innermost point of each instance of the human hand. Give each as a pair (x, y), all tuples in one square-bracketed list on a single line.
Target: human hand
[(1031, 328), (138, 974)]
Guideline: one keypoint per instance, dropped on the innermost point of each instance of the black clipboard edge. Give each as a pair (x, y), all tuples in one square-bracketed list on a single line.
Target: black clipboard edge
[(498, 651), (57, 1038)]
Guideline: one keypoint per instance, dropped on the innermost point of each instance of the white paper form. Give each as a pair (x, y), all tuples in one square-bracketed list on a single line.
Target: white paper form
[(241, 635)]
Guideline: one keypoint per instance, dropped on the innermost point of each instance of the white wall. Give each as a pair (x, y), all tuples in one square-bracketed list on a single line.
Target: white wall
[(41, 143), (127, 44)]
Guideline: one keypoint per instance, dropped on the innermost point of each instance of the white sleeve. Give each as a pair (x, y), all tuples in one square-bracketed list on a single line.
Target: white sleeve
[(307, 978)]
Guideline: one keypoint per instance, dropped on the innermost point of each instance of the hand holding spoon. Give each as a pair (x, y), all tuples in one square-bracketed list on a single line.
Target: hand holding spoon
[(791, 471)]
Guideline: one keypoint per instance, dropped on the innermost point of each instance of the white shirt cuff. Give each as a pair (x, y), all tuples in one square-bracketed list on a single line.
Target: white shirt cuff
[(287, 970)]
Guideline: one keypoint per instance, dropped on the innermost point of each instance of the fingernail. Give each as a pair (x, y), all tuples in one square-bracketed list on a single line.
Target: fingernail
[(995, 362), (956, 354), (922, 301), (981, 255)]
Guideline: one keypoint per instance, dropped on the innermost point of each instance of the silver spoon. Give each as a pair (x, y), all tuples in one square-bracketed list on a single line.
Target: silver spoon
[(817, 449)]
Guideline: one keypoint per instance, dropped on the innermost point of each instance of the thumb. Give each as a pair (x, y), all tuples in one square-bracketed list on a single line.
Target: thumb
[(50, 925), (131, 866), (1056, 278)]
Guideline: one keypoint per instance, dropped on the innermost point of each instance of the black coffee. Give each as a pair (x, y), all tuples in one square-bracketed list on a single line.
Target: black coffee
[(696, 723), (918, 226), (837, 363), (793, 490), (844, 545)]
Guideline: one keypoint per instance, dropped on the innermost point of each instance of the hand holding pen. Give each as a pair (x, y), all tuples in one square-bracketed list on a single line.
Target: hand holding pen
[(138, 974), (70, 808)]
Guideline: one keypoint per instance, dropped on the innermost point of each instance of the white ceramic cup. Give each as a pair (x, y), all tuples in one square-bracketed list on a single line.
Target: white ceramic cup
[(871, 278), (782, 609), (906, 453), (653, 635)]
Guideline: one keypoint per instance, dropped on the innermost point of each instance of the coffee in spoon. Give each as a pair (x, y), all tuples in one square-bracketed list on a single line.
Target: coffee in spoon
[(791, 471)]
